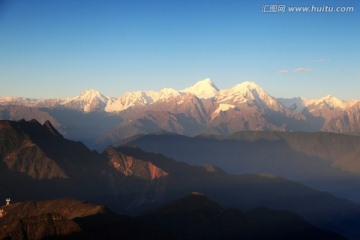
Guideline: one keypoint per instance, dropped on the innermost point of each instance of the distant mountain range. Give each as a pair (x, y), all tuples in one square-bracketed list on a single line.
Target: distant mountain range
[(324, 161), (38, 163), (199, 109)]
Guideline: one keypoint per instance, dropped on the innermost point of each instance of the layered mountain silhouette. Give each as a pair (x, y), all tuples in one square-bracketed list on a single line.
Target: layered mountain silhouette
[(38, 163), (192, 217), (325, 161), (199, 109), (37, 159)]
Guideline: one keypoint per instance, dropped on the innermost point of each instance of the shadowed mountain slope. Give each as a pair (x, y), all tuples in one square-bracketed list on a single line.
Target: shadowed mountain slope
[(325, 161), (37, 162), (192, 217), (197, 217), (130, 180), (250, 191)]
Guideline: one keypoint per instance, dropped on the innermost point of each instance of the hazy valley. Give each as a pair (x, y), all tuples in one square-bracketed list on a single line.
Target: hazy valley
[(325, 161)]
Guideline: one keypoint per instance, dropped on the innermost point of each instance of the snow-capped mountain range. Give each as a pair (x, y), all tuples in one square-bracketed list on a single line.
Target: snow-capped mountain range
[(246, 92), (201, 108)]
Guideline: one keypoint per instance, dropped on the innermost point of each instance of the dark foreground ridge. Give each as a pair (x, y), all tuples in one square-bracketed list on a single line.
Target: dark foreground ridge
[(192, 217), (37, 163), (64, 219)]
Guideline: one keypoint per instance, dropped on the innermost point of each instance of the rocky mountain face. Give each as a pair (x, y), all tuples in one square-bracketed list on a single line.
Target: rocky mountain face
[(130, 166), (36, 158), (46, 219), (201, 108), (130, 180), (23, 154), (41, 152)]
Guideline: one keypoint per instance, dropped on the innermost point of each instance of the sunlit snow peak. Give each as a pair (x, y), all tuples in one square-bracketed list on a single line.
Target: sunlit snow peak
[(204, 89)]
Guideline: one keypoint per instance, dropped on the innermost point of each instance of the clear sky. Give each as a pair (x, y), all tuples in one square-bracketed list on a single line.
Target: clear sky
[(58, 48)]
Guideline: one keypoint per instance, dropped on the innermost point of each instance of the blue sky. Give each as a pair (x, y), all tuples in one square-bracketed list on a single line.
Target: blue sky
[(58, 48)]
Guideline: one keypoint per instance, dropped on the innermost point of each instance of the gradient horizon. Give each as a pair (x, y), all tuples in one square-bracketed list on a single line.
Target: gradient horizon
[(60, 48)]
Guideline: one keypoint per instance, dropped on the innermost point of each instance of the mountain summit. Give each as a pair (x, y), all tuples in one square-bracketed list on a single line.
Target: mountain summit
[(329, 102), (89, 101), (204, 89), (250, 93)]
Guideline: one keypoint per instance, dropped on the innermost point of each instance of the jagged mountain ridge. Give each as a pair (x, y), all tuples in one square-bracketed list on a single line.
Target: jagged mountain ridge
[(246, 92), (41, 152), (199, 109), (21, 153), (37, 161)]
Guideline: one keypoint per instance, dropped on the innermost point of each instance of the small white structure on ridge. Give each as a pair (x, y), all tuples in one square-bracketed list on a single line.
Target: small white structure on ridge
[(8, 201)]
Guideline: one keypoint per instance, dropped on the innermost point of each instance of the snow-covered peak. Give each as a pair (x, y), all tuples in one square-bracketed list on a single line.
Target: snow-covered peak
[(128, 100), (89, 95), (139, 98), (204, 89), (163, 94), (132, 98), (169, 92), (296, 104), (245, 86), (88, 101), (17, 100), (244, 91), (353, 102), (247, 92), (239, 90), (329, 102)]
